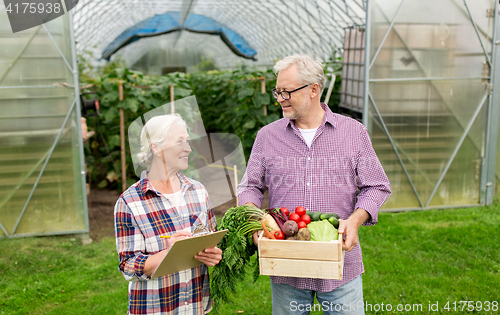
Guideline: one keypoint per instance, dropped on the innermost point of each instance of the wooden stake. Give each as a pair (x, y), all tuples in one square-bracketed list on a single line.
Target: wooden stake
[(263, 90), (122, 139), (172, 106)]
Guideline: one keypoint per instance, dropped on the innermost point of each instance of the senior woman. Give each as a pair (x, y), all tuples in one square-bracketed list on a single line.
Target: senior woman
[(164, 202)]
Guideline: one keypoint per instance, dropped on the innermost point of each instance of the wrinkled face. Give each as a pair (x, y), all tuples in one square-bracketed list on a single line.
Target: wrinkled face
[(175, 151), (297, 107)]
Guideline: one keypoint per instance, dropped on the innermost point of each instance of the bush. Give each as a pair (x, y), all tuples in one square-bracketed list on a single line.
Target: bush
[(229, 102), (140, 94)]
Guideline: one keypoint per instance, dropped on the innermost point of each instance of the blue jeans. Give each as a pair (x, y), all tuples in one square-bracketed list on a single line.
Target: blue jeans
[(345, 300)]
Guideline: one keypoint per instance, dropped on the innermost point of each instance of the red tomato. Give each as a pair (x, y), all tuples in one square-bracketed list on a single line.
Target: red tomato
[(306, 218), (285, 210), (279, 235), (294, 217), (301, 224), (300, 211)]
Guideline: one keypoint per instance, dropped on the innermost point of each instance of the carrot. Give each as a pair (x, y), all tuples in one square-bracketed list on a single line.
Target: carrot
[(266, 231)]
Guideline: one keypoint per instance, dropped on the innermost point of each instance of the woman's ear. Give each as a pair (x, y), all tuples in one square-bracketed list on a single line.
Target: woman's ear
[(155, 149)]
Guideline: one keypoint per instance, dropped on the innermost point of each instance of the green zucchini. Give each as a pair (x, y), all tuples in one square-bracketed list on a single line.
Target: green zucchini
[(316, 216), (326, 216), (334, 221)]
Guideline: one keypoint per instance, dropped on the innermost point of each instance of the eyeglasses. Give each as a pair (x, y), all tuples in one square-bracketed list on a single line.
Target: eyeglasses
[(286, 94)]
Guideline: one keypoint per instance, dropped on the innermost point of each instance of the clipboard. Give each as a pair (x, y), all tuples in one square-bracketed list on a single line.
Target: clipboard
[(181, 255)]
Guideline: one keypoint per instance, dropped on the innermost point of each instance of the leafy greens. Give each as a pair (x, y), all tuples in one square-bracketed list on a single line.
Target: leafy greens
[(237, 249), (322, 231)]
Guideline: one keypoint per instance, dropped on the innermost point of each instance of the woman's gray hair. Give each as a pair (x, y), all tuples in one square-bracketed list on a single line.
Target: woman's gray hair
[(310, 69), (156, 131)]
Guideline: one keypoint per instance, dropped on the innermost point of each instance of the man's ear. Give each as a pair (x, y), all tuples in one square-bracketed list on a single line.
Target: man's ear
[(314, 90)]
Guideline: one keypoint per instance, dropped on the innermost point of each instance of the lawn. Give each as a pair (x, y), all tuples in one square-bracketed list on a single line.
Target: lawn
[(425, 262)]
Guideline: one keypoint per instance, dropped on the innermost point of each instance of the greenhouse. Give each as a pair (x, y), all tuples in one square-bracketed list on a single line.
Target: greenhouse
[(421, 75)]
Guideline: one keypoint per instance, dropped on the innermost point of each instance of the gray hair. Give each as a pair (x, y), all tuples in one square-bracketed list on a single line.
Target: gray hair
[(156, 131), (310, 69)]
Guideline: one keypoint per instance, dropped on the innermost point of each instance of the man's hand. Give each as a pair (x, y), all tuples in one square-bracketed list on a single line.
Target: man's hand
[(349, 228), (210, 256), (255, 237)]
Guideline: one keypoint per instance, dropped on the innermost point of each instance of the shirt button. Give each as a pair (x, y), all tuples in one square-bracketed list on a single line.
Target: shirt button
[(309, 158), (307, 184)]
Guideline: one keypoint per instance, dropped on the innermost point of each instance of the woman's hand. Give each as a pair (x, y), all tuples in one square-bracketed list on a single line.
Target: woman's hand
[(210, 256), (178, 236), (154, 260)]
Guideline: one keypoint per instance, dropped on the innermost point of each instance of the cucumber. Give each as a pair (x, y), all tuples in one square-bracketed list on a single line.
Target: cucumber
[(326, 216), (309, 213), (334, 221), (316, 216)]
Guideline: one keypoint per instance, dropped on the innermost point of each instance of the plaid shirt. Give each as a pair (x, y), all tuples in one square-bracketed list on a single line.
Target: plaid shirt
[(142, 214), (325, 178)]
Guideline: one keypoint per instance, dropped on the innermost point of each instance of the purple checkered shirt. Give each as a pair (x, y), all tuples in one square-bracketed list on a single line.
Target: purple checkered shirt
[(325, 177)]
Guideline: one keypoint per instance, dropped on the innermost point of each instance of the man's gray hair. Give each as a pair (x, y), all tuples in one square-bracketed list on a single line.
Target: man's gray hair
[(310, 69)]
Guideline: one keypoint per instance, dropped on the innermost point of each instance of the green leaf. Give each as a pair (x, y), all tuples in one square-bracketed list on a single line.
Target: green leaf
[(249, 124), (182, 92), (102, 184), (132, 104), (111, 113), (110, 97), (266, 98), (246, 92), (120, 72), (113, 141), (272, 117), (108, 85), (257, 100)]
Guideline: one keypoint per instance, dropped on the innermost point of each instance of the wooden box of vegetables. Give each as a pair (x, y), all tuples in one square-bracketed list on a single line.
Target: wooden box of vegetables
[(304, 258)]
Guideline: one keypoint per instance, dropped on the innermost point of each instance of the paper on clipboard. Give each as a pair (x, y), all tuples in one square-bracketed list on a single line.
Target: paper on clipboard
[(181, 254)]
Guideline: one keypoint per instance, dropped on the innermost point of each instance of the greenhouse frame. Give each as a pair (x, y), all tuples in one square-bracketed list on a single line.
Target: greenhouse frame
[(421, 75)]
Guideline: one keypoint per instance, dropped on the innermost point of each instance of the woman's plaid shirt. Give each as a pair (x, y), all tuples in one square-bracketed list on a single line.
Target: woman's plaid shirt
[(142, 214)]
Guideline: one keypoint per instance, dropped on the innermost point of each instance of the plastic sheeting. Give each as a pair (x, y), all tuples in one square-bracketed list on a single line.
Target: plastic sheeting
[(171, 22), (273, 28)]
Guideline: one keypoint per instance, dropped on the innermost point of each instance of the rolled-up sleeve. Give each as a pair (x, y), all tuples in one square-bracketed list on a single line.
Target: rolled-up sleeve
[(130, 243), (253, 185), (373, 183)]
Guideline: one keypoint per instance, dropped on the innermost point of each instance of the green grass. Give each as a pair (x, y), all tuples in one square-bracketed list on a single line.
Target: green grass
[(411, 259)]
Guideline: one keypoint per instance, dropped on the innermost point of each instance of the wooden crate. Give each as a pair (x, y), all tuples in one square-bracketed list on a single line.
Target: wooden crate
[(304, 259)]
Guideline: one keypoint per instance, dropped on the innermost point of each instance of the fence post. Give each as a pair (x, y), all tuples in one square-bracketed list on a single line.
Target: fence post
[(122, 139)]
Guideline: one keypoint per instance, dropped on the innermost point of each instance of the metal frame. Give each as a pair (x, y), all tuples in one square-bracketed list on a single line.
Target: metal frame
[(309, 26), (356, 100), (489, 162), (74, 107), (493, 108)]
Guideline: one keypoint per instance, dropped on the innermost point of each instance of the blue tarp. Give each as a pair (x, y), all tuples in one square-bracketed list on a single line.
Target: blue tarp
[(170, 22)]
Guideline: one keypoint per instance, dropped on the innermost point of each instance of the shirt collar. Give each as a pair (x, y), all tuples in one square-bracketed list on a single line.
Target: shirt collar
[(145, 184), (328, 118)]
